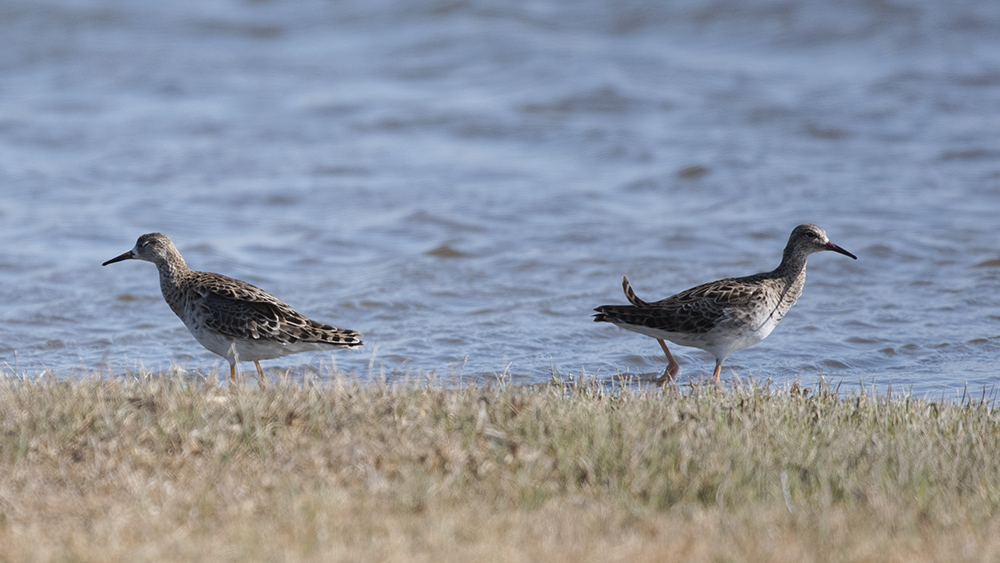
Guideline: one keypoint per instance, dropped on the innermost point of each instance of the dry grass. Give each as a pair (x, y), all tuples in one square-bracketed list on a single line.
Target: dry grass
[(166, 469)]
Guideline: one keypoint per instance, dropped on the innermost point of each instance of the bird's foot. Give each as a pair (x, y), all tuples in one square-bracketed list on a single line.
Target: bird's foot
[(673, 368), (669, 374), (261, 379)]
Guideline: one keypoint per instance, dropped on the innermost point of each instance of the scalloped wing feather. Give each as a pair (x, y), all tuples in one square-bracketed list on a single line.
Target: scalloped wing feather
[(695, 311), (240, 310)]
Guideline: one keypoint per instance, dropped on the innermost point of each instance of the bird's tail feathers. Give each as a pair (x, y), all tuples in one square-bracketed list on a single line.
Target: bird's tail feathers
[(341, 337), (630, 295)]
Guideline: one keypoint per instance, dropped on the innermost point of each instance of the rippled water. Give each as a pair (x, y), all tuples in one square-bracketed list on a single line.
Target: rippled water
[(464, 181)]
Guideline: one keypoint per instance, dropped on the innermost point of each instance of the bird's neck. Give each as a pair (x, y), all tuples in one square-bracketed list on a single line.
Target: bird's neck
[(791, 277), (793, 264), (173, 271)]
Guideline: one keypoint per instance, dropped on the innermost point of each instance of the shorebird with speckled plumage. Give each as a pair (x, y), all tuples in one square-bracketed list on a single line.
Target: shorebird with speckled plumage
[(232, 318), (723, 316)]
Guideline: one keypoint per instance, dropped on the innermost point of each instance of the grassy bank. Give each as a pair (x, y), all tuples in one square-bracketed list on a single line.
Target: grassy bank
[(165, 469)]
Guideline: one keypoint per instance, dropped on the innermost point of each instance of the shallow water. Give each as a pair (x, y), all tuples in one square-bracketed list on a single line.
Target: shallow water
[(464, 181)]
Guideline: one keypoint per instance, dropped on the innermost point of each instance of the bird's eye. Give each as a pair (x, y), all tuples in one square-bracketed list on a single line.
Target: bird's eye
[(810, 234)]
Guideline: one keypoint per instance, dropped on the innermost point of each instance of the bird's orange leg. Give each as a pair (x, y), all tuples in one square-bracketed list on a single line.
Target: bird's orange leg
[(260, 373), (673, 368), (718, 370), (232, 372)]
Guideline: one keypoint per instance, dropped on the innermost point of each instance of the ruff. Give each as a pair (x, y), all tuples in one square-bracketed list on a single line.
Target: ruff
[(723, 316), (232, 318)]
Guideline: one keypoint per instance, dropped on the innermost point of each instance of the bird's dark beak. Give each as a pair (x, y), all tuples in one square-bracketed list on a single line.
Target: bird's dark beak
[(127, 256), (829, 246)]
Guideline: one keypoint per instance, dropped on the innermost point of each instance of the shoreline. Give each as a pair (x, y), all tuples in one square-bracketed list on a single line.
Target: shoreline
[(627, 381)]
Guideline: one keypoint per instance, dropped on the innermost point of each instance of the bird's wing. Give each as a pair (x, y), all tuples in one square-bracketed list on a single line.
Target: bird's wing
[(695, 311), (240, 310)]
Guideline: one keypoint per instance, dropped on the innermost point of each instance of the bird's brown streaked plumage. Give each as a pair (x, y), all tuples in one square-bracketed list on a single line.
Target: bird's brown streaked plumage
[(723, 316), (232, 318)]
